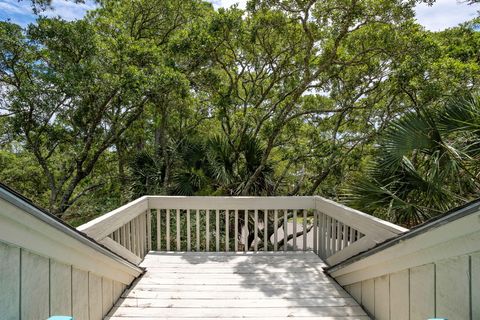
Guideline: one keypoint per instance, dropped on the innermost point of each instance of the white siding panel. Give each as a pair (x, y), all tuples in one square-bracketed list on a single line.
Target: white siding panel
[(382, 298), (355, 291), (107, 294), (60, 289), (95, 296), (9, 282), (475, 286), (35, 286), (80, 294), (399, 295), (452, 291), (368, 295), (422, 292)]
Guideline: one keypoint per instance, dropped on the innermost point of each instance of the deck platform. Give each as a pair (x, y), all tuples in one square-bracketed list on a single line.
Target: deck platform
[(207, 285)]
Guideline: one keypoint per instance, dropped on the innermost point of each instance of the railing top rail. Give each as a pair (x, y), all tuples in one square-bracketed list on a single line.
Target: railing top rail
[(102, 226), (364, 222), (230, 203)]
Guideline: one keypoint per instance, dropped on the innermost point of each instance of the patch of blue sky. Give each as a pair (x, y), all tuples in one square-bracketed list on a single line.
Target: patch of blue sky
[(443, 14)]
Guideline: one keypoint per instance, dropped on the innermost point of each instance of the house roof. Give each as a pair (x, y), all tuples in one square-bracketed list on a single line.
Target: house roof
[(17, 199)]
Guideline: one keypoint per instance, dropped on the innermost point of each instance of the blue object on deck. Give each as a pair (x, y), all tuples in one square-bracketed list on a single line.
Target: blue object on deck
[(60, 318)]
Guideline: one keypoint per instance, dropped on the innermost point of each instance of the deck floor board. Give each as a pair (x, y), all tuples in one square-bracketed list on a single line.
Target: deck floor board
[(235, 285)]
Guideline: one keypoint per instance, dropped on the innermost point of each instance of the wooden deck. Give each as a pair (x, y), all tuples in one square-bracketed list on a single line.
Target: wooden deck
[(235, 285)]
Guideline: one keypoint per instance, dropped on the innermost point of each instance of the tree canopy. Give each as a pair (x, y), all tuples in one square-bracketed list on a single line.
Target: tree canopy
[(349, 99)]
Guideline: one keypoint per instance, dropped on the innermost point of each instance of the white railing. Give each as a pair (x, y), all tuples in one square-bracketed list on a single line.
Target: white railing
[(167, 223)]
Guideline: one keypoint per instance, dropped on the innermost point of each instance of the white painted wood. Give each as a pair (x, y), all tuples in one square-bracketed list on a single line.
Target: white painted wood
[(102, 226), (107, 295), (265, 230), (285, 230), (382, 298), (149, 230), (245, 227), (80, 294), (329, 237), (121, 251), (199, 291), (304, 228), (250, 318), (217, 230), (315, 232), (456, 238), (422, 292), (294, 240), (368, 295), (34, 295), (236, 230), (475, 262), (222, 203), (159, 230), (167, 231), (207, 230), (399, 295), (178, 224), (227, 231), (255, 230), (363, 222), (60, 288), (349, 251), (239, 312), (95, 306), (197, 225), (123, 234), (128, 236), (356, 291), (452, 280), (117, 290), (275, 232), (9, 281), (49, 241), (189, 230), (235, 303), (338, 244)]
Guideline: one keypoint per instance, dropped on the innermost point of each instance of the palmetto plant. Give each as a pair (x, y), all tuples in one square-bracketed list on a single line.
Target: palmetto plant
[(427, 162)]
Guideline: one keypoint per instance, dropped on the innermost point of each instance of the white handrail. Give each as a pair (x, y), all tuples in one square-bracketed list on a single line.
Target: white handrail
[(178, 223)]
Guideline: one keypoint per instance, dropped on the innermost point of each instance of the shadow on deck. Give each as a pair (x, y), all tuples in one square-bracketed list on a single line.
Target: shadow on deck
[(235, 285)]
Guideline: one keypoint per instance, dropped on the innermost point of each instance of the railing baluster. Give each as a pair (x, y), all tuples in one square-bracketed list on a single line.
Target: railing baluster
[(227, 231), (255, 231), (189, 236), (304, 230), (246, 231), (285, 229), (329, 237), (207, 230), (236, 230), (315, 231), (159, 231), (352, 234), (217, 230), (178, 222), (345, 236), (167, 231), (138, 246), (294, 230), (141, 234), (275, 229), (197, 225), (265, 230), (128, 236), (339, 236), (149, 230), (122, 235)]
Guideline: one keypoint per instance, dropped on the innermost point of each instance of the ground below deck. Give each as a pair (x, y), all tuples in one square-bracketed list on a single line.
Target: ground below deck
[(235, 285)]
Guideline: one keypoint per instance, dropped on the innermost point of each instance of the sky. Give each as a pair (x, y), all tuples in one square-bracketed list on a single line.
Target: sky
[(443, 14)]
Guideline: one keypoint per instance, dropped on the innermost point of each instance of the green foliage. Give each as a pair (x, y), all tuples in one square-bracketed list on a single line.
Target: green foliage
[(283, 98)]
